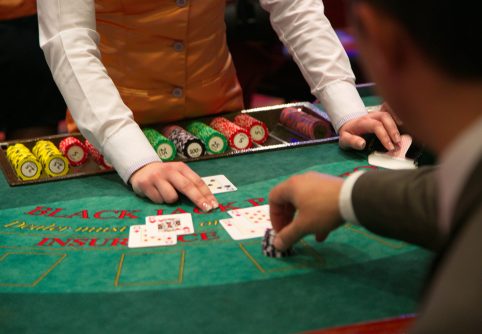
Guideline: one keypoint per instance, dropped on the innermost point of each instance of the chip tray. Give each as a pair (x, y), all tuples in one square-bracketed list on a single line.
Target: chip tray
[(280, 138)]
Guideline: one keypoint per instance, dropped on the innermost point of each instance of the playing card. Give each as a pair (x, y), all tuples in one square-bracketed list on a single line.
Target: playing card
[(402, 148), (179, 224), (251, 222), (257, 215), (387, 161), (219, 184), (230, 225), (241, 229), (138, 237)]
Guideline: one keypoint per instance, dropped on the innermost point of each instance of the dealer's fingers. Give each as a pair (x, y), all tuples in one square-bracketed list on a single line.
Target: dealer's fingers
[(150, 191), (167, 191), (200, 185), (348, 140), (389, 124), (185, 186)]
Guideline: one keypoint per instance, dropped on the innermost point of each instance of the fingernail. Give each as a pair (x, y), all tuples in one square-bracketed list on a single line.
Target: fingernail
[(398, 138), (214, 204), (206, 207), (362, 144), (391, 147), (278, 243)]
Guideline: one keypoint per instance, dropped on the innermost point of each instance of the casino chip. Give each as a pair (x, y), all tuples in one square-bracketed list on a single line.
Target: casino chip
[(186, 143), (166, 150), (97, 156), (307, 125), (238, 137), (52, 160), (74, 150), (25, 164), (215, 141), (257, 129), (268, 247)]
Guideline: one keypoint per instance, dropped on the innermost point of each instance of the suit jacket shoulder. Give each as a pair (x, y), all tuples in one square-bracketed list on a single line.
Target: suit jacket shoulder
[(399, 204)]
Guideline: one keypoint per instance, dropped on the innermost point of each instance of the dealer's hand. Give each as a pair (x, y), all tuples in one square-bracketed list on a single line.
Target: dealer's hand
[(305, 204), (159, 181), (380, 123)]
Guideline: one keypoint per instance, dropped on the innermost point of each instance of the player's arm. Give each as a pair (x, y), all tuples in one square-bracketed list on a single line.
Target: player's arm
[(396, 204), (69, 40), (304, 29)]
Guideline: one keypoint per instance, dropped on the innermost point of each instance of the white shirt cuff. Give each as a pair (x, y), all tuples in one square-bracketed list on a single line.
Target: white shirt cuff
[(342, 103), (344, 202), (129, 150)]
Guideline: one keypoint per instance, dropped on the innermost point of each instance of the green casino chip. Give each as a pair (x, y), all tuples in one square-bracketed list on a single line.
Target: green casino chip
[(163, 146), (215, 141)]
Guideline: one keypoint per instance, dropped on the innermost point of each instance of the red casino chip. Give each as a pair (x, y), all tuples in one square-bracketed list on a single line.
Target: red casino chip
[(98, 158), (74, 150), (238, 137), (257, 129), (305, 124)]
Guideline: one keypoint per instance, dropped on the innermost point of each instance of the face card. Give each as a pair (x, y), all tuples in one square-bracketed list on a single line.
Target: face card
[(138, 238), (179, 224), (219, 184)]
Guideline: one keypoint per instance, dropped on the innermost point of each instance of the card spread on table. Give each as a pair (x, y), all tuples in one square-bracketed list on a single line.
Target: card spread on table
[(138, 237), (180, 224), (160, 230), (395, 159), (247, 223), (219, 184)]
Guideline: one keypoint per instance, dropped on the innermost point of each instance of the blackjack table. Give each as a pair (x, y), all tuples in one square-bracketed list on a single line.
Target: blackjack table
[(65, 266)]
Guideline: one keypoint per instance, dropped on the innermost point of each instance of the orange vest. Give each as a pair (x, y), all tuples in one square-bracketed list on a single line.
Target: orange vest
[(13, 9), (168, 58)]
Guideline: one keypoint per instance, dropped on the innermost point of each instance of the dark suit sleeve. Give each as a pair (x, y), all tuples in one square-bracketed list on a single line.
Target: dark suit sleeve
[(399, 204)]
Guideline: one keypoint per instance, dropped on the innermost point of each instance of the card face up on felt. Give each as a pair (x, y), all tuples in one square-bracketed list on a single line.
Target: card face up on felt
[(139, 237), (247, 223), (160, 230), (219, 184), (180, 224)]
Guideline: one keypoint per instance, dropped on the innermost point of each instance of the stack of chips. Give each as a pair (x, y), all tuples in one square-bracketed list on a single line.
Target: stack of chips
[(215, 141), (165, 148), (186, 143), (257, 129), (25, 164), (268, 246), (52, 160), (238, 137), (74, 150), (302, 123), (97, 156)]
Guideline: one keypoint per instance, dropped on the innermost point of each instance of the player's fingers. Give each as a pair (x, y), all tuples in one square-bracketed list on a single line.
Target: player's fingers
[(389, 124), (185, 186), (279, 206), (320, 237), (348, 140), (200, 185), (289, 235)]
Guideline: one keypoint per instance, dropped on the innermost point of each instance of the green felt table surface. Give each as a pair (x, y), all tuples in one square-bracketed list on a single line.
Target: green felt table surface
[(65, 266)]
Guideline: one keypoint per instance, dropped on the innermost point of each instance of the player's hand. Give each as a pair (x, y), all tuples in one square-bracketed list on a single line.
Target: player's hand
[(380, 123), (159, 181), (305, 204)]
